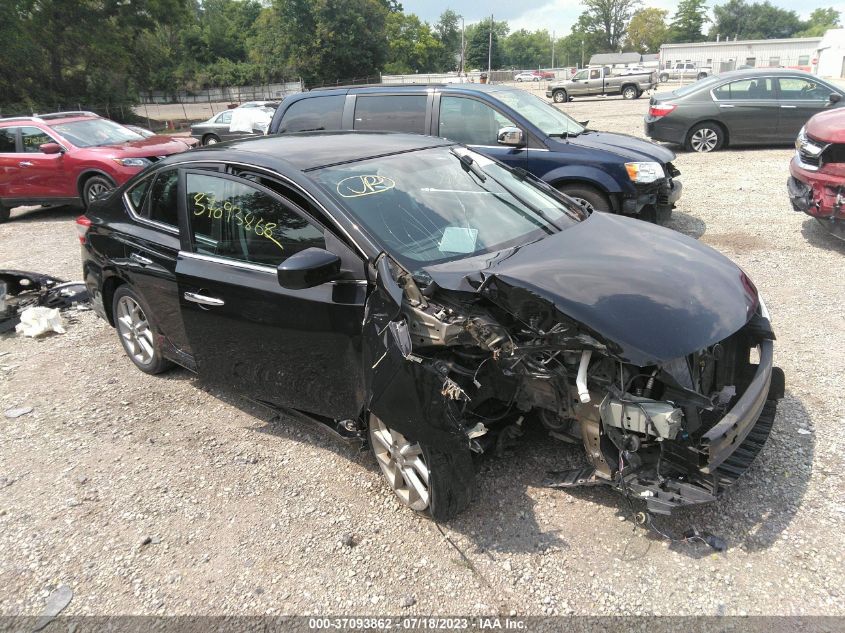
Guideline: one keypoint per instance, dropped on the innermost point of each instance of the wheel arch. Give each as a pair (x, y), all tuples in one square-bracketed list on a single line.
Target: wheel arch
[(111, 283), (715, 122), (612, 196), (87, 174)]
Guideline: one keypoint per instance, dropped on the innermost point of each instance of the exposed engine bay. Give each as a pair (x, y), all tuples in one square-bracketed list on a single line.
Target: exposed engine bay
[(672, 433)]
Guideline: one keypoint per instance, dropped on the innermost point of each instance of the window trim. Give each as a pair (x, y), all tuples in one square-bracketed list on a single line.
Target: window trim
[(133, 212), (525, 132), (733, 81), (187, 240)]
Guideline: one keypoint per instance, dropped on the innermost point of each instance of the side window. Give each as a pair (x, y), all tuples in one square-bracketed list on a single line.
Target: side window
[(470, 121), (746, 90), (33, 139), (316, 113), (7, 140), (137, 194), (803, 60), (162, 203), (396, 113), (233, 219), (580, 75), (797, 88), (224, 117), (594, 73)]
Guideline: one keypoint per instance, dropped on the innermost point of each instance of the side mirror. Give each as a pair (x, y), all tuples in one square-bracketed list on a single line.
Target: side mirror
[(308, 268), (835, 97), (54, 148), (510, 136)]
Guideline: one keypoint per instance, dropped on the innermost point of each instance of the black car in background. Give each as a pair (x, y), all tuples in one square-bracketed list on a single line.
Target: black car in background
[(411, 293), (758, 106), (610, 172)]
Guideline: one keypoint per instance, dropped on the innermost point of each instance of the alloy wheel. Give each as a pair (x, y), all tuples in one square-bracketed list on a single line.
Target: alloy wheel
[(704, 140), (135, 331), (96, 189), (211, 140), (402, 463)]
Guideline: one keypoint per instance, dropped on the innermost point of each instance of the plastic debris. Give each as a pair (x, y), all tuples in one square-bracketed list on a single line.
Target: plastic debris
[(17, 412), (40, 320), (56, 603)]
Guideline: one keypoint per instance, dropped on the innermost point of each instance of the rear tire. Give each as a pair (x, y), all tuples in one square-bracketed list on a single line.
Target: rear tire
[(435, 483), (5, 214), (701, 75), (94, 187), (589, 197), (705, 137), (630, 92), (559, 96), (664, 78), (136, 328), (210, 139)]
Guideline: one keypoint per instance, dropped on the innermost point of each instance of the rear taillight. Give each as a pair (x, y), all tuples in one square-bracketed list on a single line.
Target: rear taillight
[(82, 226), (660, 109)]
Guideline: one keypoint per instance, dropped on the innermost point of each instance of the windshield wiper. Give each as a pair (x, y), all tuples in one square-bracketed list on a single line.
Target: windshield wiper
[(469, 165)]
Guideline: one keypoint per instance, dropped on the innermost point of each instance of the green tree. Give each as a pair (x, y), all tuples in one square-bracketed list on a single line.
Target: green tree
[(609, 19), (821, 20), (736, 18), (688, 21), (647, 30), (412, 46), (477, 36), (448, 31), (528, 49)]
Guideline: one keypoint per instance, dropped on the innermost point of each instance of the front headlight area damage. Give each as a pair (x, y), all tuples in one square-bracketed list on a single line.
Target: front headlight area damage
[(672, 434)]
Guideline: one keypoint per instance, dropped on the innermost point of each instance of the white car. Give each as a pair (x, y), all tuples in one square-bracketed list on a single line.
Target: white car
[(526, 76)]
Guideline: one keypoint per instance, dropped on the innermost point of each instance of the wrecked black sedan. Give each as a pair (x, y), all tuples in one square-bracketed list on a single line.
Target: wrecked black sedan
[(413, 294)]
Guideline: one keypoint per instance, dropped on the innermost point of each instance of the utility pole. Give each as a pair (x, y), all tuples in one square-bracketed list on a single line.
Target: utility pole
[(463, 47), (582, 52), (553, 49), (490, 50)]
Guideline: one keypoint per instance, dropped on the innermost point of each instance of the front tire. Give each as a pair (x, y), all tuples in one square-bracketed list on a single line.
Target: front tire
[(559, 96), (588, 197), (137, 329), (705, 137), (94, 187), (5, 214), (664, 78), (630, 92), (701, 75), (435, 483)]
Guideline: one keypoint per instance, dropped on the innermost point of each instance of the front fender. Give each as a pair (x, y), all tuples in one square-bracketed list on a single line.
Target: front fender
[(583, 173)]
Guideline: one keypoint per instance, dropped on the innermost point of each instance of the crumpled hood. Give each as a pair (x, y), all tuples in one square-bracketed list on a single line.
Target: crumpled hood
[(649, 293), (628, 147), (827, 126)]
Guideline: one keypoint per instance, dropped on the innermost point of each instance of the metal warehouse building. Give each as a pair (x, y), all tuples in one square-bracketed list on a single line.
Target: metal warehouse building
[(796, 52)]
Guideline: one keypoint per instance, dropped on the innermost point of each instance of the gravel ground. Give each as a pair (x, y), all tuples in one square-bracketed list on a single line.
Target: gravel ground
[(153, 495)]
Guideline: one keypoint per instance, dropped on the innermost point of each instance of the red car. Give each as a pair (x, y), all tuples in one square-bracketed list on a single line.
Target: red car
[(543, 74), (71, 158), (817, 182)]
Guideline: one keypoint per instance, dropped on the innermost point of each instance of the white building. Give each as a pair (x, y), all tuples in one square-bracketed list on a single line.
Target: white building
[(795, 52), (830, 58)]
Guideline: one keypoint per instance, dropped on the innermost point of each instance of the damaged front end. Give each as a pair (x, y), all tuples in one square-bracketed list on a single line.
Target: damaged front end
[(465, 361)]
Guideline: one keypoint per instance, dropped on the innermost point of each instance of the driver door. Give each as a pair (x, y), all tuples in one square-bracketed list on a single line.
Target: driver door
[(292, 348), (799, 99), (476, 124)]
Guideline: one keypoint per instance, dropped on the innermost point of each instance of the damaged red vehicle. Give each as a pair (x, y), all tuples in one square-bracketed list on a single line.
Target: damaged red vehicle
[(410, 293), (816, 184)]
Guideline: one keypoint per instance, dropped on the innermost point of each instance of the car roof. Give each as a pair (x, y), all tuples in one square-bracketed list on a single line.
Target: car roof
[(399, 88), (768, 72), (306, 151), (50, 118)]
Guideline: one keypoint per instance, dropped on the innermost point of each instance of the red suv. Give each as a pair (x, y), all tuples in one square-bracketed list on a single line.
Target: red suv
[(70, 158), (817, 182)]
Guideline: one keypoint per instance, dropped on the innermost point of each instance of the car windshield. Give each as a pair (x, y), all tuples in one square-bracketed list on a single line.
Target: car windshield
[(440, 204), (543, 115), (94, 132)]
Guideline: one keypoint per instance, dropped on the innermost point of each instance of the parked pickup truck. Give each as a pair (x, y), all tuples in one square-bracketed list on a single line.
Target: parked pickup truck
[(601, 81), (685, 70)]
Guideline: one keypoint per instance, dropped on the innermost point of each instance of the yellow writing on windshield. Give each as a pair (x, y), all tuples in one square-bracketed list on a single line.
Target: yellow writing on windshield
[(204, 205), (364, 185)]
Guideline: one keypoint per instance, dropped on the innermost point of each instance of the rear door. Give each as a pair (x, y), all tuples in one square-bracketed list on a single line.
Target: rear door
[(293, 348), (475, 123), (750, 110), (799, 99)]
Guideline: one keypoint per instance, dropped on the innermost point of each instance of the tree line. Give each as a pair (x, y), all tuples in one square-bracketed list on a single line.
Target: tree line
[(60, 53)]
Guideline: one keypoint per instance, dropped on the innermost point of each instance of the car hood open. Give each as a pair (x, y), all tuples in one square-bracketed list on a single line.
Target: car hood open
[(628, 147), (648, 293)]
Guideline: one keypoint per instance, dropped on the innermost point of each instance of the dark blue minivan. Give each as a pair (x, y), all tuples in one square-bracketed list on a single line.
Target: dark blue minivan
[(604, 171)]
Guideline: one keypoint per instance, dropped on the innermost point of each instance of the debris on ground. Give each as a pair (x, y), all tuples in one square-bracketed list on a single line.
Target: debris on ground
[(38, 321), (56, 603), (17, 412), (25, 290)]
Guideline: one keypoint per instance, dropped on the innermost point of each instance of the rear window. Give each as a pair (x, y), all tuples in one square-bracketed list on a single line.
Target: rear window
[(395, 113), (311, 114)]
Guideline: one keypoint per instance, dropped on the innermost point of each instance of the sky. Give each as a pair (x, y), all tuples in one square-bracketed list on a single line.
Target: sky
[(560, 15)]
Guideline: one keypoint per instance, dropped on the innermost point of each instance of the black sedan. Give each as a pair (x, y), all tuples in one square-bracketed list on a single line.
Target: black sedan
[(759, 106), (411, 294)]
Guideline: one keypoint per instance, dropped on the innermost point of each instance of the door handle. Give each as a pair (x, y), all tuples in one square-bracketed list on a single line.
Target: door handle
[(25, 163), (789, 107), (140, 259), (203, 300)]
